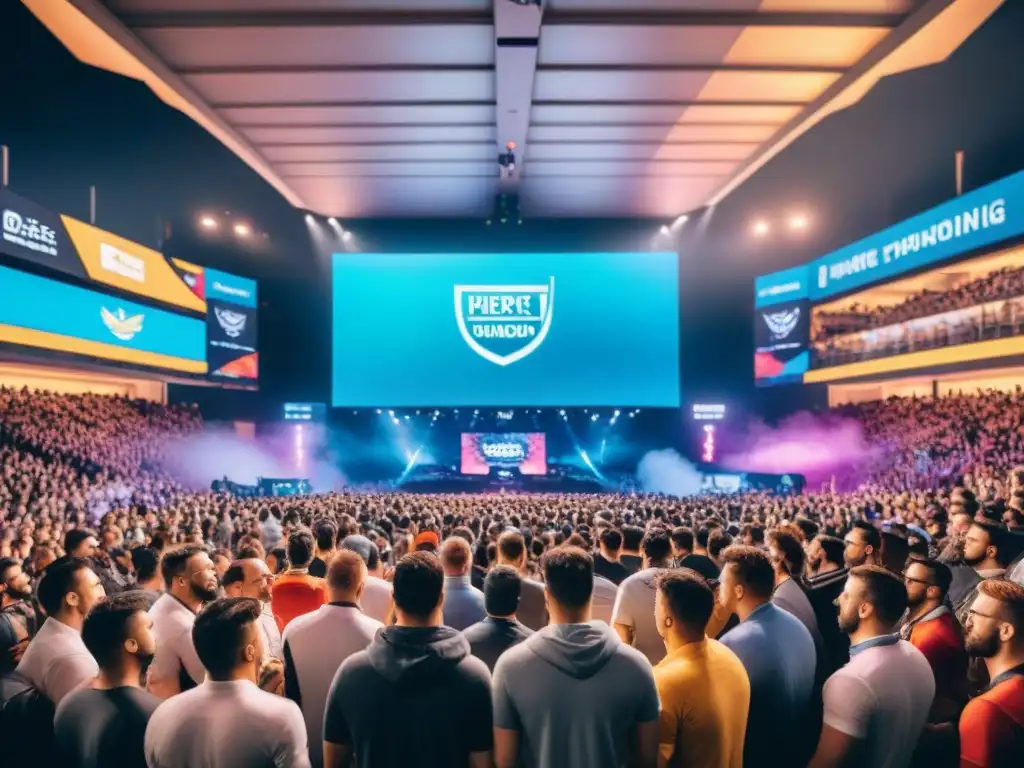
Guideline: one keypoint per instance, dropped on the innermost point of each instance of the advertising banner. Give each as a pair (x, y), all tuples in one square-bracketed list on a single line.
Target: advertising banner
[(525, 451), (230, 289), (47, 314), (31, 232), (231, 338), (781, 338)]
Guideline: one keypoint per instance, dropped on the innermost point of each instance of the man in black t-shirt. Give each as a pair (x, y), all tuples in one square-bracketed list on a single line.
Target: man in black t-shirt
[(418, 674), (606, 562), (103, 725), (326, 533)]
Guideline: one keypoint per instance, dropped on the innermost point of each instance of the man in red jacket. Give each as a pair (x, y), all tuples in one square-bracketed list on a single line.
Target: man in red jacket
[(992, 725)]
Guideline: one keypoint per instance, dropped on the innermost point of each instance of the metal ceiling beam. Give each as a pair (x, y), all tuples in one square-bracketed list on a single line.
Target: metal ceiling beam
[(640, 18), (516, 39), (230, 20)]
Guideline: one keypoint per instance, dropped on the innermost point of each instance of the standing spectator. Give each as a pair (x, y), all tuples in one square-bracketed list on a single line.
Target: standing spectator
[(295, 591), (863, 545), (190, 582), (105, 723), (19, 619), (490, 638), (148, 579), (987, 550), (787, 558), (629, 556), (221, 562), (57, 661), (777, 652), (931, 627), (376, 601), (463, 603), (701, 560), (80, 543), (251, 577), (683, 550), (877, 705), (633, 614), (702, 685), (823, 590), (228, 720), (992, 725), (573, 695), (326, 533), (606, 562), (603, 603), (512, 552), (316, 645), (270, 523), (417, 673)]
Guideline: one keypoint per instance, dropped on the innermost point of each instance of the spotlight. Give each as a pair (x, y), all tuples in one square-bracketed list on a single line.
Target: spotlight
[(798, 222), (665, 230), (378, 411), (594, 417), (407, 417), (346, 236), (395, 422), (760, 228), (391, 414), (242, 229), (616, 413), (309, 218), (208, 223), (332, 221)]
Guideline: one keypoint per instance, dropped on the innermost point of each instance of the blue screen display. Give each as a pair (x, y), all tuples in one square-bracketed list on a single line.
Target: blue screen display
[(506, 329)]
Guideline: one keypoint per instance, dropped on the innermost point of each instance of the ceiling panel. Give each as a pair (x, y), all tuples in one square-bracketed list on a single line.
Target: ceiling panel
[(400, 107), (430, 45), (342, 134)]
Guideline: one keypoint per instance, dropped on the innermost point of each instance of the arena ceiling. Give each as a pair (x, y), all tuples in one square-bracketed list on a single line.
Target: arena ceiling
[(651, 108)]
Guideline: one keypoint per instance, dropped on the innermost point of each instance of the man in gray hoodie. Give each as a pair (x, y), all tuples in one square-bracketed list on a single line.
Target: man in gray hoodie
[(573, 695), (415, 697)]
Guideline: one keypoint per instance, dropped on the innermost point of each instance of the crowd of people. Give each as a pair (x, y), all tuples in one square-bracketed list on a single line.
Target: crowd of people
[(141, 624), (1003, 283)]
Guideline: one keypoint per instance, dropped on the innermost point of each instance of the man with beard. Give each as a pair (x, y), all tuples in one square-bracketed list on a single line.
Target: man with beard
[(19, 618), (992, 725), (877, 705), (251, 577), (191, 581), (863, 545), (105, 723), (987, 551)]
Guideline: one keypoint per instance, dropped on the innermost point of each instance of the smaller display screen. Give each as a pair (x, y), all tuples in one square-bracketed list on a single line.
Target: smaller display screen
[(525, 451), (314, 412)]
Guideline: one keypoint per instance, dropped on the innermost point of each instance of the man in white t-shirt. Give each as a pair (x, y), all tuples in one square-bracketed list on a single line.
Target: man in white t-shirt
[(877, 705), (376, 600), (316, 644), (227, 720), (191, 581), (633, 614), (56, 660)]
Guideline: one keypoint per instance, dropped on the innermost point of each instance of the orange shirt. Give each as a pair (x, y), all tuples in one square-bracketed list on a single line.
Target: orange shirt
[(942, 643), (992, 726), (294, 594)]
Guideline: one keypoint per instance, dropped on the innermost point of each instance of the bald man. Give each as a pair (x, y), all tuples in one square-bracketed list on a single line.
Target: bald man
[(463, 603), (252, 578)]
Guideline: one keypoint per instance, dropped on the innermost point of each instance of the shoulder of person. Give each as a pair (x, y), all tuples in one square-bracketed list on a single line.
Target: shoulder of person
[(631, 657), (474, 669)]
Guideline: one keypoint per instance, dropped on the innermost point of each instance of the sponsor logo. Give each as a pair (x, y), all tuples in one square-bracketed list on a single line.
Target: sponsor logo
[(503, 450), (118, 323), (822, 276), (122, 263), (781, 324), (504, 323), (29, 233), (778, 290), (233, 323), (230, 290)]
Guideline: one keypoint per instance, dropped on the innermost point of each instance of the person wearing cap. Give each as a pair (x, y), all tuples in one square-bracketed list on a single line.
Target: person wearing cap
[(376, 600), (426, 541)]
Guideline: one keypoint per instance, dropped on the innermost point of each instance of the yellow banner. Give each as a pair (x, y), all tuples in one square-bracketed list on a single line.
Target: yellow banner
[(54, 341), (121, 263)]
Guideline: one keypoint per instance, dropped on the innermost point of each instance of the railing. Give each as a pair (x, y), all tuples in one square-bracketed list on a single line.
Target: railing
[(984, 322)]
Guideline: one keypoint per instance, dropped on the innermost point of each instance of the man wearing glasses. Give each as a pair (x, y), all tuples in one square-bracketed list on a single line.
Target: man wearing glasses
[(992, 725)]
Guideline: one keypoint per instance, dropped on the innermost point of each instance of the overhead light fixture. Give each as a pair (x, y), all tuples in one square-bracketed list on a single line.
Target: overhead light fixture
[(208, 223), (665, 230), (309, 218), (760, 228), (242, 229), (332, 220), (799, 222), (346, 236)]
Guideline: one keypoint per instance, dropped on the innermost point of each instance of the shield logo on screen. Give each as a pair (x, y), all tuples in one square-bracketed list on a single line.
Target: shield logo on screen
[(504, 323)]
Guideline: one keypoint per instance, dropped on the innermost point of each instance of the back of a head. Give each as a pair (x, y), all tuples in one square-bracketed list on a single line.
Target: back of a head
[(501, 591), (418, 584), (632, 537), (220, 633), (790, 549), (717, 541), (688, 596), (511, 546), (569, 576), (657, 545), (105, 628), (59, 578), (456, 556), (300, 548), (363, 547), (611, 539), (884, 590), (174, 562), (833, 548), (895, 550), (682, 538), (235, 574), (752, 569), (146, 562), (326, 533), (346, 573)]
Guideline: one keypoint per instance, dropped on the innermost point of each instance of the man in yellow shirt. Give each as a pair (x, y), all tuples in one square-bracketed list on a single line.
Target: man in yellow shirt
[(704, 690)]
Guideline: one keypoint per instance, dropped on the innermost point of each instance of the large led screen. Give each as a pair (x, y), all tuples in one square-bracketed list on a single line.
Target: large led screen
[(582, 329), (524, 451)]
